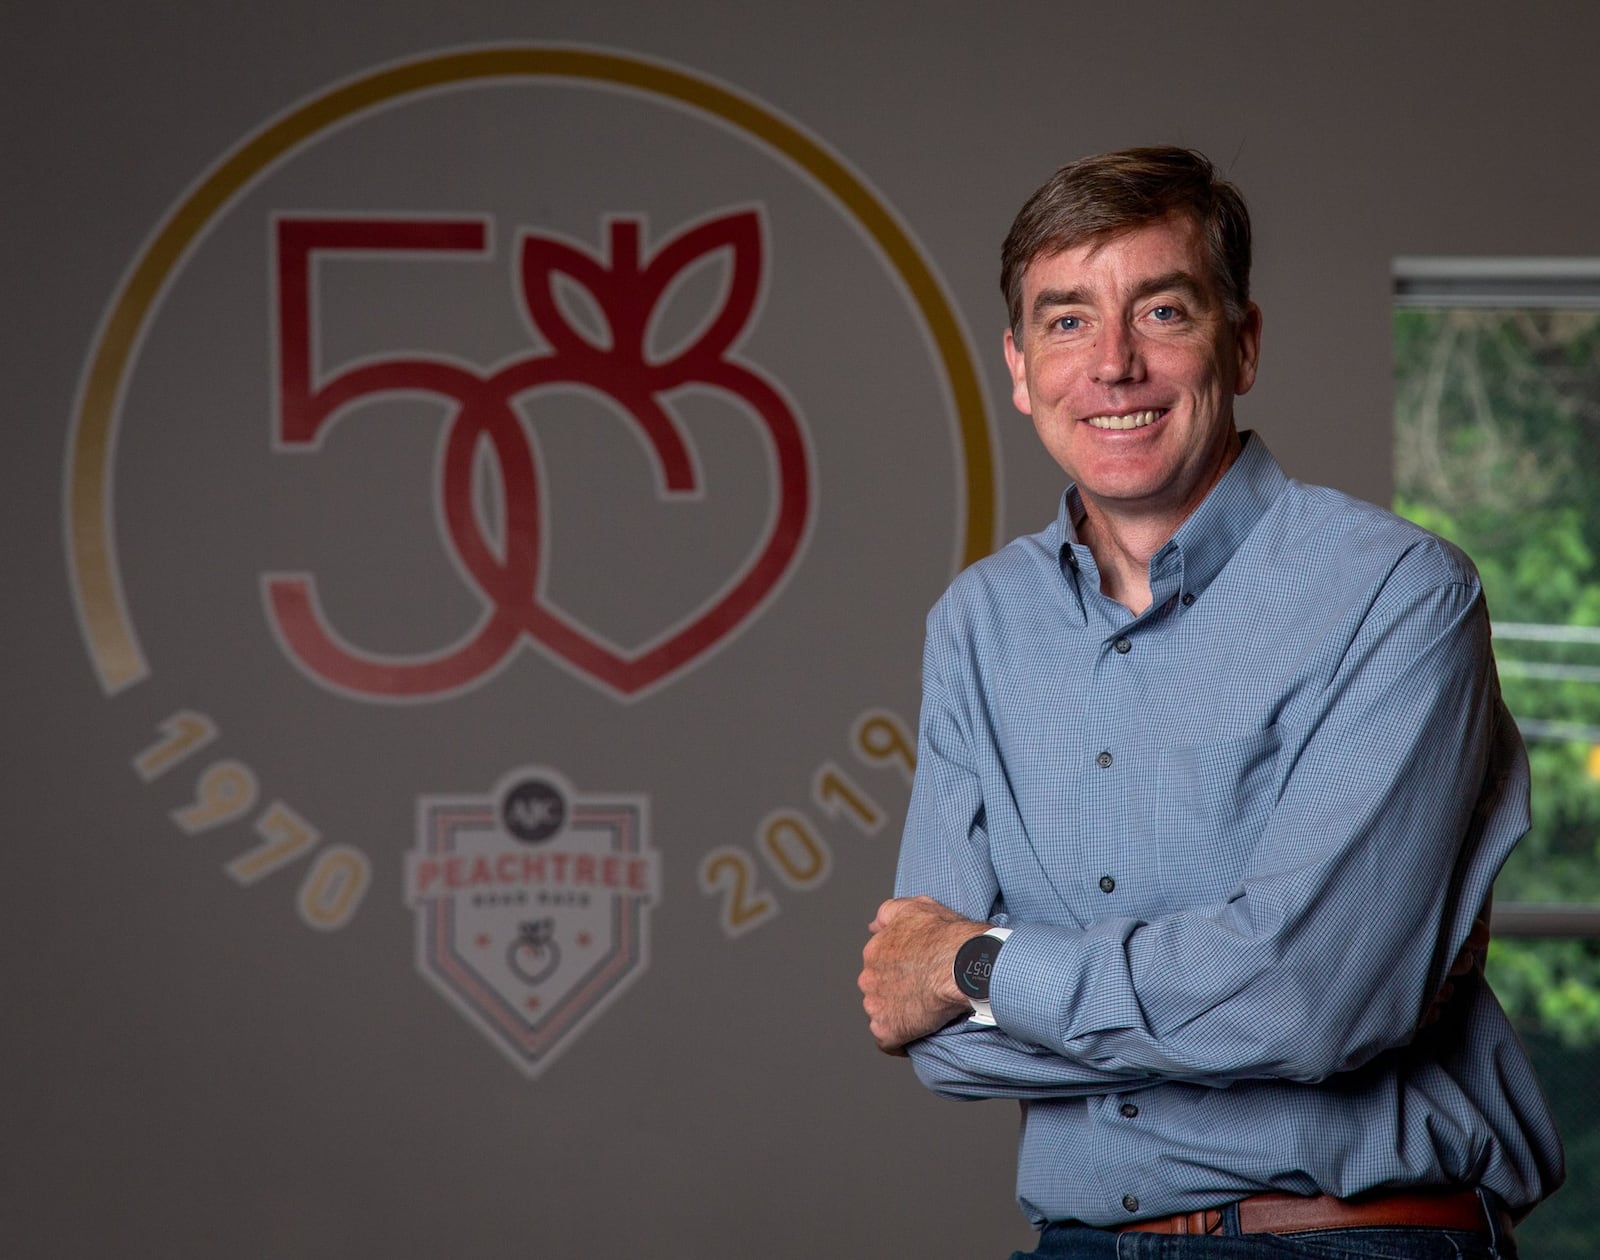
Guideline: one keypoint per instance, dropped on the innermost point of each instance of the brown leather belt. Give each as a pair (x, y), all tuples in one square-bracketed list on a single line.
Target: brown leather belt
[(1294, 1214)]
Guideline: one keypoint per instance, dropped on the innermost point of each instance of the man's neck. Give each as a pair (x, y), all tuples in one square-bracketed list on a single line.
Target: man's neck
[(1122, 552), (1122, 541)]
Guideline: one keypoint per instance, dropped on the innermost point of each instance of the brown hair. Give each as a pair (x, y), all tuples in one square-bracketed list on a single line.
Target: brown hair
[(1103, 196)]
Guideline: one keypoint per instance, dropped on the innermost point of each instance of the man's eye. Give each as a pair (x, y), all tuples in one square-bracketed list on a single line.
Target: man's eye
[(1164, 314), (1068, 323)]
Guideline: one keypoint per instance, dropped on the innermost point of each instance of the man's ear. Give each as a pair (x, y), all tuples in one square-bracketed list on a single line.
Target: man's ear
[(1247, 346), (1019, 376)]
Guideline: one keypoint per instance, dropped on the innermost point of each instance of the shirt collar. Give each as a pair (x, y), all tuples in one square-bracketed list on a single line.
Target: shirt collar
[(1225, 517), (1206, 541)]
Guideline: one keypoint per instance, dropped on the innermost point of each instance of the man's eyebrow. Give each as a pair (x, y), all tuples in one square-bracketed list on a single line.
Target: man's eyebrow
[(1175, 281), (1047, 298)]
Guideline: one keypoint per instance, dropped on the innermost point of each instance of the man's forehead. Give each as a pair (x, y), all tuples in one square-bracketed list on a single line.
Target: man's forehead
[(1165, 246)]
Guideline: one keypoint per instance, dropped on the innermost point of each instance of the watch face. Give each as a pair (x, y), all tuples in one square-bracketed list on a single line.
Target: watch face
[(975, 964)]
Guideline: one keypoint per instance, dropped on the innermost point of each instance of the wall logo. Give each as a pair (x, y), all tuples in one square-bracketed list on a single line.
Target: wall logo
[(511, 404), (532, 907), (613, 363), (628, 291)]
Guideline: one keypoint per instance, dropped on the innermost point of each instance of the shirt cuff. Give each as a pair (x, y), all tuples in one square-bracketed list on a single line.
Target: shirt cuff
[(1052, 983)]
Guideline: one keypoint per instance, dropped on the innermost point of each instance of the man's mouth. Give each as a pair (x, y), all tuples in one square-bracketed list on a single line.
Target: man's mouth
[(1132, 420)]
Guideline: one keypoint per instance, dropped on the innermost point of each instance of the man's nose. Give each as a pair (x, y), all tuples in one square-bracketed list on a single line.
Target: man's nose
[(1116, 354)]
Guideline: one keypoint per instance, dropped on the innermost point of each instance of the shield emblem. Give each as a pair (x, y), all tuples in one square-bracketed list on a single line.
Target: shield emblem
[(532, 907)]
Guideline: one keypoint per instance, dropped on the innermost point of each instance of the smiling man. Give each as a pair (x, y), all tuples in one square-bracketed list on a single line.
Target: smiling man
[(1214, 780)]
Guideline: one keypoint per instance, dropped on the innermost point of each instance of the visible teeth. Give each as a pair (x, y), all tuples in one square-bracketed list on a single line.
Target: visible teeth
[(1136, 421)]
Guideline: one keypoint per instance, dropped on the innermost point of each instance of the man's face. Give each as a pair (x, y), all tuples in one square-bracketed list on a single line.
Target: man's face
[(1128, 363)]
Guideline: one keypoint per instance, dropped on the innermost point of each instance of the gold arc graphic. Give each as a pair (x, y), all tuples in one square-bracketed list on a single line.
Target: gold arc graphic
[(113, 646)]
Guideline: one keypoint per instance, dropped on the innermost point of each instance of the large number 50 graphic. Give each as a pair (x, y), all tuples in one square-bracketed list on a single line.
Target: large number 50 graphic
[(626, 289)]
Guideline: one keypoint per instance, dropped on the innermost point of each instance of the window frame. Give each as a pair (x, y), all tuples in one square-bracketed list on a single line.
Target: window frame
[(1438, 282)]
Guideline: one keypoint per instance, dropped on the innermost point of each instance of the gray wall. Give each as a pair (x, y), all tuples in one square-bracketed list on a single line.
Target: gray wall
[(196, 1065)]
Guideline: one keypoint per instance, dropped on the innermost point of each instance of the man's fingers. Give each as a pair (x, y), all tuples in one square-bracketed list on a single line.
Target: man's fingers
[(881, 920), (892, 909), (1472, 951), (887, 1038), (906, 970)]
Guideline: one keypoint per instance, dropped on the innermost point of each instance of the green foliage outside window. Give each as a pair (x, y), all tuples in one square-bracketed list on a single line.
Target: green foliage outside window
[(1497, 422)]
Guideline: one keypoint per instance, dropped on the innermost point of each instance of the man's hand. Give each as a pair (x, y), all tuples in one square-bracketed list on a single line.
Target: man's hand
[(908, 970), (1468, 962)]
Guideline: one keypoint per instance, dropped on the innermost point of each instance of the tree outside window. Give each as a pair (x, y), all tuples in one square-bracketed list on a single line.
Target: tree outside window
[(1497, 448)]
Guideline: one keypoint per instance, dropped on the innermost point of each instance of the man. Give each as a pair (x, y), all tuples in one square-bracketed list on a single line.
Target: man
[(1214, 779)]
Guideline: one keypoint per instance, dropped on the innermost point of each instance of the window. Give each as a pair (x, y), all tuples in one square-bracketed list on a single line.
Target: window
[(1497, 447)]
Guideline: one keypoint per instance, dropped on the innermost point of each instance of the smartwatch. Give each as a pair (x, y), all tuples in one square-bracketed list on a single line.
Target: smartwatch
[(974, 966)]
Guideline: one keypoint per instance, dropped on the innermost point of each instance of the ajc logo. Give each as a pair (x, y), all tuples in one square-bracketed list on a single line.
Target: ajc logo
[(532, 907), (626, 290)]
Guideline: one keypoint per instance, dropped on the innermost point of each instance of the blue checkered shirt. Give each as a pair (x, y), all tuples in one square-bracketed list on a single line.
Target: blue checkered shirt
[(1240, 838)]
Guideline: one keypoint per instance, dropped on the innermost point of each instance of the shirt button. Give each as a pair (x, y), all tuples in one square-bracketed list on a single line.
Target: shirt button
[(1103, 761), (1188, 598), (1107, 884), (1131, 1202), (1123, 645), (1129, 1111)]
